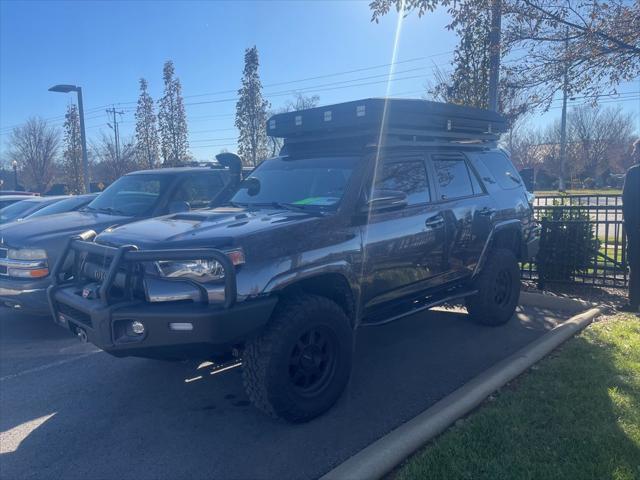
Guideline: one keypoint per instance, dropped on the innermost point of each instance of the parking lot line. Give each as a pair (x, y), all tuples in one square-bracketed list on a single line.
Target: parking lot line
[(47, 366)]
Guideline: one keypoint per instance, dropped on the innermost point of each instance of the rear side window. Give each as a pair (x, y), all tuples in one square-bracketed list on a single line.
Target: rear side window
[(408, 176), (454, 178), (502, 170)]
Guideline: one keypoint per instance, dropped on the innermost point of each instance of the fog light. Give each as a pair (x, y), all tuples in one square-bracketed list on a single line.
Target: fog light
[(137, 327)]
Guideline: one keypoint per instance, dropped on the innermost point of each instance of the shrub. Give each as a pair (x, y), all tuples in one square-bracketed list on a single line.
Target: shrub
[(568, 244)]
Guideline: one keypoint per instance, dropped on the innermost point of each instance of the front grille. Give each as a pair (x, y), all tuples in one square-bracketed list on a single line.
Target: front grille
[(101, 260), (74, 314)]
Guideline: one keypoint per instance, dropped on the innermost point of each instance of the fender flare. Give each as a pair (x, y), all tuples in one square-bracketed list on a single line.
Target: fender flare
[(514, 225)]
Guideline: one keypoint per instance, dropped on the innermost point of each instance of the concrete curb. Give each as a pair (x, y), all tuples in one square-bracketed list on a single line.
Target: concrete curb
[(383, 455), (552, 302)]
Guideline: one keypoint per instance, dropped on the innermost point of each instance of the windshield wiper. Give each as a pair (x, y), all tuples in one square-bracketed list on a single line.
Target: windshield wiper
[(298, 208), (110, 211)]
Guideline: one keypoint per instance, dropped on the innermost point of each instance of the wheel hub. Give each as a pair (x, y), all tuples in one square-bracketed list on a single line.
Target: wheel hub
[(312, 361)]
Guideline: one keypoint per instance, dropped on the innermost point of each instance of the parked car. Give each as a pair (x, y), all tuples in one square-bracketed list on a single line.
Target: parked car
[(26, 207), (69, 204), (349, 226), (28, 249), (10, 199)]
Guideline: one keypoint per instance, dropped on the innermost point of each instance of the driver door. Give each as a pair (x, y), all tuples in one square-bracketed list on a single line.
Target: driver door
[(403, 247)]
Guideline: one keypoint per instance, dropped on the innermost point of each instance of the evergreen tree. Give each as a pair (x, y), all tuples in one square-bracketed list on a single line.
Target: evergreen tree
[(251, 113), (172, 119), (146, 146), (72, 156)]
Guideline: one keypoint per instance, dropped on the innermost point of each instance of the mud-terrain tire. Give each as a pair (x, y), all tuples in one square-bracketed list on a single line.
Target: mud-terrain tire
[(498, 286), (300, 365)]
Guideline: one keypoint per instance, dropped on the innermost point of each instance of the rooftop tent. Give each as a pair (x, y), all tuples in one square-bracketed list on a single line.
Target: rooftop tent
[(403, 118)]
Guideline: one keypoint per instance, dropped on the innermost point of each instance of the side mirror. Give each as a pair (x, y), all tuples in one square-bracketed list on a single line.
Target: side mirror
[(382, 200), (251, 185), (178, 206)]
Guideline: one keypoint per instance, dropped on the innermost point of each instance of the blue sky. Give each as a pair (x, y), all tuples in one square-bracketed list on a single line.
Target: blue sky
[(107, 46)]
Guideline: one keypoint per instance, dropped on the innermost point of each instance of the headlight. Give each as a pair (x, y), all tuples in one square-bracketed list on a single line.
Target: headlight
[(199, 270), (27, 254)]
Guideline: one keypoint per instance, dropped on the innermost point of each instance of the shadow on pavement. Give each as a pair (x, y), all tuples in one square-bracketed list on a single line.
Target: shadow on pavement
[(101, 417)]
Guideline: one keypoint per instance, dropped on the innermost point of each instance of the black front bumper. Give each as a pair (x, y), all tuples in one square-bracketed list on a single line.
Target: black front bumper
[(182, 329), (215, 330)]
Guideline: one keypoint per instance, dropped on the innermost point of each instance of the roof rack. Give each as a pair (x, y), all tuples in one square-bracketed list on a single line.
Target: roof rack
[(403, 121)]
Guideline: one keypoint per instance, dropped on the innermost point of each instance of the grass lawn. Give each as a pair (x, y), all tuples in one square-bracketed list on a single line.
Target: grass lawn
[(576, 415)]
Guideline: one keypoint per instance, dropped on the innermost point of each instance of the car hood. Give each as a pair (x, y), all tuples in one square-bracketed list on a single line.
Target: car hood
[(49, 231), (213, 228)]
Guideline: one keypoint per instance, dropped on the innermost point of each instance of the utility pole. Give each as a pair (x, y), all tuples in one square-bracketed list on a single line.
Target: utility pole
[(494, 53), (116, 131), (563, 119)]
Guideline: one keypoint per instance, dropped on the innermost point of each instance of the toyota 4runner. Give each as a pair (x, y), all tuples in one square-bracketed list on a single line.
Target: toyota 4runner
[(374, 210)]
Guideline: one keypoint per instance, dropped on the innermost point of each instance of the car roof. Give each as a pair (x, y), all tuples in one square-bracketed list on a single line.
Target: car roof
[(174, 170), (17, 197), (45, 199)]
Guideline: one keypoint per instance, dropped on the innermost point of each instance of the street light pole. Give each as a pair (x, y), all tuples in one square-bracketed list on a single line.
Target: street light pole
[(83, 136)]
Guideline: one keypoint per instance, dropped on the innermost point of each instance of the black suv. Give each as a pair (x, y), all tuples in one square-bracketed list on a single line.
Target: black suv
[(30, 248), (374, 210)]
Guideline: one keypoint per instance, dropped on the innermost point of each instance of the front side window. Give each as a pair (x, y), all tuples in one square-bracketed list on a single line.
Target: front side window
[(453, 178), (409, 177), (314, 182), (199, 190), (131, 195)]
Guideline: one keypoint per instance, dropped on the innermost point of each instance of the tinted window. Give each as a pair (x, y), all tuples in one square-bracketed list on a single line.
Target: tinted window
[(502, 169), (199, 190), (409, 177), (453, 177)]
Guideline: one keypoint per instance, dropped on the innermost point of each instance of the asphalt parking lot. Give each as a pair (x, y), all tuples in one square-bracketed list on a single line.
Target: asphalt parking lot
[(70, 411)]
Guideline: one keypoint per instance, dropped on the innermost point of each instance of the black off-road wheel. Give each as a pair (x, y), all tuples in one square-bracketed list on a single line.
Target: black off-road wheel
[(300, 365), (498, 286)]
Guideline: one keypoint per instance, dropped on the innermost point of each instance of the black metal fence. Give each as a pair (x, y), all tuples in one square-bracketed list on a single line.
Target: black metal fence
[(583, 241)]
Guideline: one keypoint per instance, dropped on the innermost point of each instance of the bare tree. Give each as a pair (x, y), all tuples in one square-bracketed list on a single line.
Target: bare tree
[(112, 166), (34, 146), (604, 40), (599, 139)]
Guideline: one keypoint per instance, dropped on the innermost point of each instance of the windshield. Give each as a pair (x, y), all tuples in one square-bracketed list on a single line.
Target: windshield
[(132, 195), (66, 205), (317, 182), (16, 210)]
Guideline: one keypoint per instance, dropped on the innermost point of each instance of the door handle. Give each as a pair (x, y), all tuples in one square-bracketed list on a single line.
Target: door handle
[(434, 222)]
